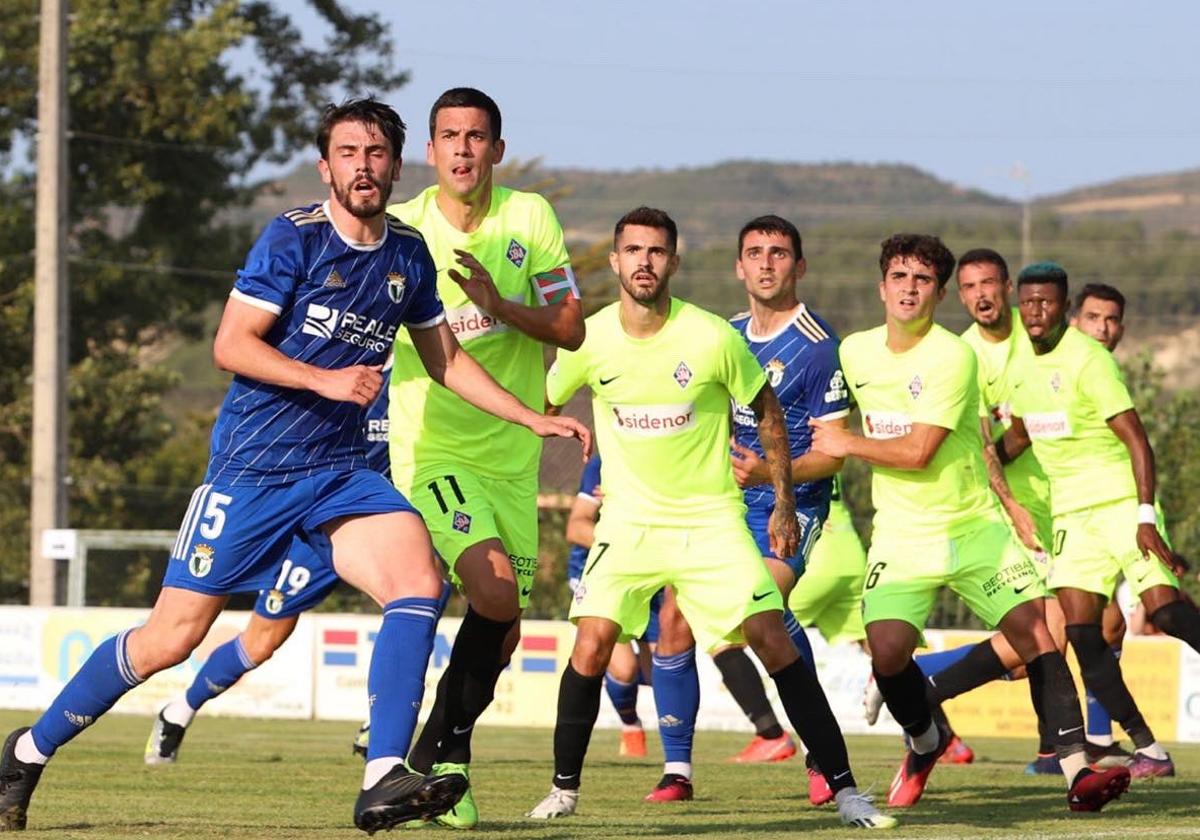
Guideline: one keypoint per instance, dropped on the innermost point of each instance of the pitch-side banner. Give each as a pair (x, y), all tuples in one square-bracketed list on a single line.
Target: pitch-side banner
[(41, 648)]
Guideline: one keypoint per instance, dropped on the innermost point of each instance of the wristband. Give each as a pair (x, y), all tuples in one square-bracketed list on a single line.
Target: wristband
[(1147, 515)]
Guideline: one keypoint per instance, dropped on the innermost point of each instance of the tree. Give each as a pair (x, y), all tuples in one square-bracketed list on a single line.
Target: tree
[(164, 127)]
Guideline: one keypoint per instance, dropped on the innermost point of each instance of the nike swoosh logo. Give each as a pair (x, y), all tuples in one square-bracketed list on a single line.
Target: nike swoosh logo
[(862, 384), (604, 381), (564, 778), (462, 731), (760, 597), (1062, 732), (992, 382), (843, 774), (1022, 589), (525, 591)]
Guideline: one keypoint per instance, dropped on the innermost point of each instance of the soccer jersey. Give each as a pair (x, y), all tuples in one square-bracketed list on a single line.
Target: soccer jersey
[(375, 427), (933, 383), (520, 243), (1002, 366), (337, 303), (661, 408), (1066, 400), (801, 362)]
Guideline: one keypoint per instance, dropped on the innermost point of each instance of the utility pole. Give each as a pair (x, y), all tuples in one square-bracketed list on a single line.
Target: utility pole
[(48, 502), (1020, 174)]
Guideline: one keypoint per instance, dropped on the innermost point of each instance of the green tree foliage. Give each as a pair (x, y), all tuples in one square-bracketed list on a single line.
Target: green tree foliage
[(163, 129)]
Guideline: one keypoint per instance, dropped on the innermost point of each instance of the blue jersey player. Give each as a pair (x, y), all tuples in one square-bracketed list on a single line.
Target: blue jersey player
[(307, 329), (302, 582), (799, 352)]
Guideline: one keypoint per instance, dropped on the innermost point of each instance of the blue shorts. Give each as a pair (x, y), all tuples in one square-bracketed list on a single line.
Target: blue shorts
[(651, 634), (809, 518), (235, 538), (304, 580)]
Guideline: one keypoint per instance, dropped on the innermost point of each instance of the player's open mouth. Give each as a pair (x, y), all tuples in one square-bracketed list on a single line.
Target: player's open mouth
[(461, 170), (363, 187), (984, 306)]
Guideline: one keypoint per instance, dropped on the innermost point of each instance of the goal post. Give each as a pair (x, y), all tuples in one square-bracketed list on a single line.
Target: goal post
[(73, 545)]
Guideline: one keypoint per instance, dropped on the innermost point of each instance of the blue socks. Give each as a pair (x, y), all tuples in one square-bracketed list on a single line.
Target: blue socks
[(677, 696), (800, 640), (224, 667), (102, 681), (938, 661), (396, 679), (624, 698)]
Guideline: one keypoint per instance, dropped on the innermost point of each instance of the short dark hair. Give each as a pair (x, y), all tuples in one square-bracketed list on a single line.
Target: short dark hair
[(772, 224), (369, 111), (467, 97), (1103, 291), (648, 217), (928, 249), (1045, 272), (984, 255)]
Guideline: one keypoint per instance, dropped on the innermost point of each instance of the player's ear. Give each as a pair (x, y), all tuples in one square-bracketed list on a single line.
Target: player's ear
[(396, 166), (941, 292), (614, 263), (801, 267), (882, 293), (323, 168), (498, 151), (429, 152), (673, 264)]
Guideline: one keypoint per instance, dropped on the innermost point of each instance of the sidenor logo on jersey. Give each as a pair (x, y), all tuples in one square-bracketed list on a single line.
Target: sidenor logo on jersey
[(884, 425), (654, 420), (348, 327), (1050, 424)]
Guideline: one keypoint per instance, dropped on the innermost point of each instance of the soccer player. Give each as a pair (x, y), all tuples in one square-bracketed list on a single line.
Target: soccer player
[(306, 330), (1074, 409), (662, 374), (936, 522), (507, 283), (628, 665), (303, 581), (1100, 313), (798, 351)]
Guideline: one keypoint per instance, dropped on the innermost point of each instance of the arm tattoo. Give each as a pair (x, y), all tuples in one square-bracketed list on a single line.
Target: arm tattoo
[(772, 434)]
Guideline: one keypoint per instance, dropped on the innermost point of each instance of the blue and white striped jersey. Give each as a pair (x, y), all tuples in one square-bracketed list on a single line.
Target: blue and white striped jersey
[(801, 361), (338, 303)]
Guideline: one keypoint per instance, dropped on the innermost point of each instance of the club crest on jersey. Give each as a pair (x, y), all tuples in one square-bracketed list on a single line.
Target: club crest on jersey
[(516, 253), (334, 280), (274, 602), (461, 522), (683, 374), (200, 563), (774, 369), (395, 285), (915, 387), (1056, 382)]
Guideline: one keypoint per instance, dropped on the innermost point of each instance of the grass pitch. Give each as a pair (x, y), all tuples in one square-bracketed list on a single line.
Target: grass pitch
[(267, 779)]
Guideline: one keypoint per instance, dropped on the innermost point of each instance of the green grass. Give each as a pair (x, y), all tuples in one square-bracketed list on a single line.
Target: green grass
[(256, 778)]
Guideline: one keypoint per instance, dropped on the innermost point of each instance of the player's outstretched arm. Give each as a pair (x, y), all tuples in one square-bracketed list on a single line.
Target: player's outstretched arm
[(912, 451), (1022, 521), (581, 521), (772, 434), (1128, 427), (750, 470), (448, 364), (240, 348), (560, 324)]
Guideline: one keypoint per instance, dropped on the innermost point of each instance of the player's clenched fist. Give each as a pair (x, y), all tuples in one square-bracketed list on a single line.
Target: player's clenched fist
[(358, 384), (783, 529)]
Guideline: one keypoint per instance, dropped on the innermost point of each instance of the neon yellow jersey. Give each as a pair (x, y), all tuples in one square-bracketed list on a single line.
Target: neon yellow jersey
[(1065, 400), (933, 383), (520, 243), (1001, 367), (661, 410)]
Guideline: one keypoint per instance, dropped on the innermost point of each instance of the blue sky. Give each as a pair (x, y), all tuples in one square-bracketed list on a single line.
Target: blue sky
[(1076, 92)]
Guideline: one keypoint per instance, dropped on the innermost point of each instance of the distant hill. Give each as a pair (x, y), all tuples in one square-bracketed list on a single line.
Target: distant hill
[(1159, 202), (709, 202)]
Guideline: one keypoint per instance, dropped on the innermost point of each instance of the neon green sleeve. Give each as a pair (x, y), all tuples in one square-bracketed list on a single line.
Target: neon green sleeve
[(741, 373), (946, 395), (1101, 383), (566, 375)]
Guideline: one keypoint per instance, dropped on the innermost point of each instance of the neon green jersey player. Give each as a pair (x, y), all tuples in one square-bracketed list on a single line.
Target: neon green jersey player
[(936, 522), (662, 374), (1076, 411), (506, 282)]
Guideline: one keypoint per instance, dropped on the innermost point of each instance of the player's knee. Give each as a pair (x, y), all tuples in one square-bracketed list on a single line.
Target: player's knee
[(591, 654), (259, 646), (154, 652), (389, 585), (495, 599), (889, 658)]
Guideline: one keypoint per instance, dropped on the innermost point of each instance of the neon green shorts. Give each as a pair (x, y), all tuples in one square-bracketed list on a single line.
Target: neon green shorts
[(829, 593), (1092, 547), (986, 567), (462, 509), (718, 574)]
